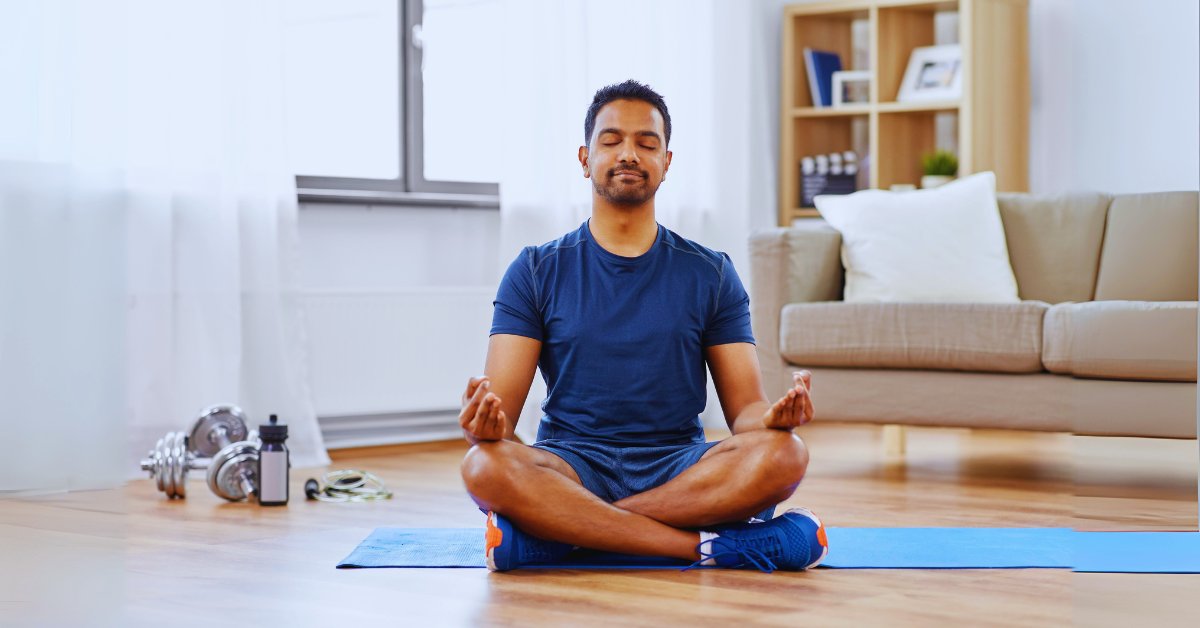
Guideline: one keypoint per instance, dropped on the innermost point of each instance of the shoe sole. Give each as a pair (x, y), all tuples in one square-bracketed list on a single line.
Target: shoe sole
[(493, 538), (821, 538)]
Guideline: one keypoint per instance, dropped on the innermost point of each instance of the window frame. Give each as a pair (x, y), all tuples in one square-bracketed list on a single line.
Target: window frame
[(411, 187)]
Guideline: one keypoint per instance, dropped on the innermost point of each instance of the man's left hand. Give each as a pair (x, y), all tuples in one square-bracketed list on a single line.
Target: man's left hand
[(795, 408)]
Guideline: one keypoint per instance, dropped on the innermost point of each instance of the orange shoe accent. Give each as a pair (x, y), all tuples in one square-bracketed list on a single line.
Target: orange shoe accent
[(494, 536), (821, 537)]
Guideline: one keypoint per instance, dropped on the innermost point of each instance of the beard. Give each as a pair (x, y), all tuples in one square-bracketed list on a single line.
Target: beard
[(619, 192)]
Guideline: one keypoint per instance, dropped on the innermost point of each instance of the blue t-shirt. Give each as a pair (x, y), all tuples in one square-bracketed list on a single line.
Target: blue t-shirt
[(623, 337)]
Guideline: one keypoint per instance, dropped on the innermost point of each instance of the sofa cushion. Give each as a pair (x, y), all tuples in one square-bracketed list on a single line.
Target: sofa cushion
[(1054, 243), (929, 246), (1032, 401), (1150, 248), (1122, 340), (989, 337)]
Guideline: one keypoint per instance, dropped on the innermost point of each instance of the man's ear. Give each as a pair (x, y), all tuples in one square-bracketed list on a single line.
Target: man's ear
[(583, 161), (667, 166)]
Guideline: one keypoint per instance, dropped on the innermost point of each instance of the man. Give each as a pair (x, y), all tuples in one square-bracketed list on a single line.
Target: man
[(622, 315)]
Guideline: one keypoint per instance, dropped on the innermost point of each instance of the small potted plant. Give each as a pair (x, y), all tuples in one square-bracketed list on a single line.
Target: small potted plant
[(939, 168)]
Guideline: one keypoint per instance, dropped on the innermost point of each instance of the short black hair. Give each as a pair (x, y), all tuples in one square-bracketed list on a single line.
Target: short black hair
[(629, 90)]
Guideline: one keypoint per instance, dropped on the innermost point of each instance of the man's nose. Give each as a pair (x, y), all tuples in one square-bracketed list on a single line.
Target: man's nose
[(628, 153)]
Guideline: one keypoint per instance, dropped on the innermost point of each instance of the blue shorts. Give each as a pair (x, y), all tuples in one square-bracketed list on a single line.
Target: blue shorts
[(614, 472)]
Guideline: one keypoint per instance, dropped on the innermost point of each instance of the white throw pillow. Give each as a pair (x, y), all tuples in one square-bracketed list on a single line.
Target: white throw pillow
[(941, 245)]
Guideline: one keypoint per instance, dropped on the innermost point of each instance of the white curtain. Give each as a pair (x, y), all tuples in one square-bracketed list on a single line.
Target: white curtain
[(708, 60), (147, 233)]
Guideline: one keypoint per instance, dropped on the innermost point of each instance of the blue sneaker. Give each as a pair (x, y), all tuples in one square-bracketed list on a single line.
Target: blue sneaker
[(794, 541), (508, 547)]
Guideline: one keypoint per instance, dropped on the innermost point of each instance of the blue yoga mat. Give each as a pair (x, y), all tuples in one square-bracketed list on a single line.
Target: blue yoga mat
[(1137, 552), (850, 548), (949, 548)]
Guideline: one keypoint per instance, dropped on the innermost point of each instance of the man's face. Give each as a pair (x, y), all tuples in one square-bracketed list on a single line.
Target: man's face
[(627, 156)]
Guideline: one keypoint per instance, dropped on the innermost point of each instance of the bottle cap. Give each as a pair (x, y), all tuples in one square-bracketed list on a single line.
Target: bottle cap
[(274, 430)]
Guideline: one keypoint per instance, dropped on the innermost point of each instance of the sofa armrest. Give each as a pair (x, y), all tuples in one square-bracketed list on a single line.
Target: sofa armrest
[(789, 265)]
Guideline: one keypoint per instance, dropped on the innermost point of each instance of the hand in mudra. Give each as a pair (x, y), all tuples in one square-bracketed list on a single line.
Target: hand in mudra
[(795, 408), (481, 415)]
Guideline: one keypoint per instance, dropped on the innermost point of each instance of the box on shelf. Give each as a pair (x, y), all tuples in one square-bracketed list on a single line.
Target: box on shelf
[(812, 185)]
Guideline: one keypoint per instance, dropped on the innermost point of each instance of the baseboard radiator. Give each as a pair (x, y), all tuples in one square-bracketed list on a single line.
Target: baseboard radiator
[(368, 430)]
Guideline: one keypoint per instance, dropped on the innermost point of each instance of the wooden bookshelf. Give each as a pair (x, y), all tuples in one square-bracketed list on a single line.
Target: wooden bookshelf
[(990, 121)]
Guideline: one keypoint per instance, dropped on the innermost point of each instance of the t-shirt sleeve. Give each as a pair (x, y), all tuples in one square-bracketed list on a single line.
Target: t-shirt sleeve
[(516, 305), (730, 320)]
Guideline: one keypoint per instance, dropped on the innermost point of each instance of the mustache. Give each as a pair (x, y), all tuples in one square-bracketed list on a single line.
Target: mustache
[(615, 171)]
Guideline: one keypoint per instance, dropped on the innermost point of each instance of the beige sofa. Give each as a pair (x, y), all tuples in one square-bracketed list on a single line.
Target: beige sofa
[(1102, 343)]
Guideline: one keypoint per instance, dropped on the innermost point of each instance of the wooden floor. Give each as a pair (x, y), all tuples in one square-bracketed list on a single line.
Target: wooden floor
[(129, 557)]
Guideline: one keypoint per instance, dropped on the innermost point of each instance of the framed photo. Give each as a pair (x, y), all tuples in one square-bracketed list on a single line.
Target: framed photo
[(933, 73), (851, 87)]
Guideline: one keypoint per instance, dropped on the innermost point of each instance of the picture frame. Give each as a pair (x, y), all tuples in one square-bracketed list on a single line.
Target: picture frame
[(851, 87), (933, 73)]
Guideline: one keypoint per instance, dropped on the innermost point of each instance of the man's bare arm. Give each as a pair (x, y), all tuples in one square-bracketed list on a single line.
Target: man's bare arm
[(492, 402), (738, 380)]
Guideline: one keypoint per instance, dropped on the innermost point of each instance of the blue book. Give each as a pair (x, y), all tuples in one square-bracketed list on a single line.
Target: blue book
[(821, 65)]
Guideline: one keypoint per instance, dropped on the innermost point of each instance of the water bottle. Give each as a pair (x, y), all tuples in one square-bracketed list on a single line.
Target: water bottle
[(274, 463)]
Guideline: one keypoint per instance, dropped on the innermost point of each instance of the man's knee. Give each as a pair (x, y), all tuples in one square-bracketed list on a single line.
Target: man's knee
[(485, 466), (783, 458)]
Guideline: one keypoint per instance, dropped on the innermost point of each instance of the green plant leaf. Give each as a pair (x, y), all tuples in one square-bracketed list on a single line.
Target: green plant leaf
[(942, 162)]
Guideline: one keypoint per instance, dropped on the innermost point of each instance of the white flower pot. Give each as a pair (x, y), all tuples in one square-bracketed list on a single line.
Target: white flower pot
[(930, 181)]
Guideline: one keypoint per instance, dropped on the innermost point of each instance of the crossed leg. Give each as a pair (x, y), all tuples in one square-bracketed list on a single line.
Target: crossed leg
[(542, 494)]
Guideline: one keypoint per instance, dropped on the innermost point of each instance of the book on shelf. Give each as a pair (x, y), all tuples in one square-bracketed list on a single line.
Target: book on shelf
[(821, 64)]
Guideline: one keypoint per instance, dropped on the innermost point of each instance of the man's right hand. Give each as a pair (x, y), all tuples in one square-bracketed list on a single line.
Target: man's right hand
[(481, 417)]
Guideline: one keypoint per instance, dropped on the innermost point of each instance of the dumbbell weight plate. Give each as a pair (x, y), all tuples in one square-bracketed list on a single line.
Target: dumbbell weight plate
[(158, 461), (167, 473), (229, 466), (169, 463), (167, 470), (179, 465), (221, 418)]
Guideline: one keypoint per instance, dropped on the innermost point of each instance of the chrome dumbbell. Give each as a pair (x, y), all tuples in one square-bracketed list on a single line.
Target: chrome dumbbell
[(221, 432), (233, 472), (215, 429), (169, 463), (219, 443)]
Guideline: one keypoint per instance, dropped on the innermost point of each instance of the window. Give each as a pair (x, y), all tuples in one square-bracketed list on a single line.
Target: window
[(385, 100), (462, 78)]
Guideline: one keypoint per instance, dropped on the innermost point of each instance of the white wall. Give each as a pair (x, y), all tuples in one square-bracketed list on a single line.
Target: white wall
[(1116, 95)]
